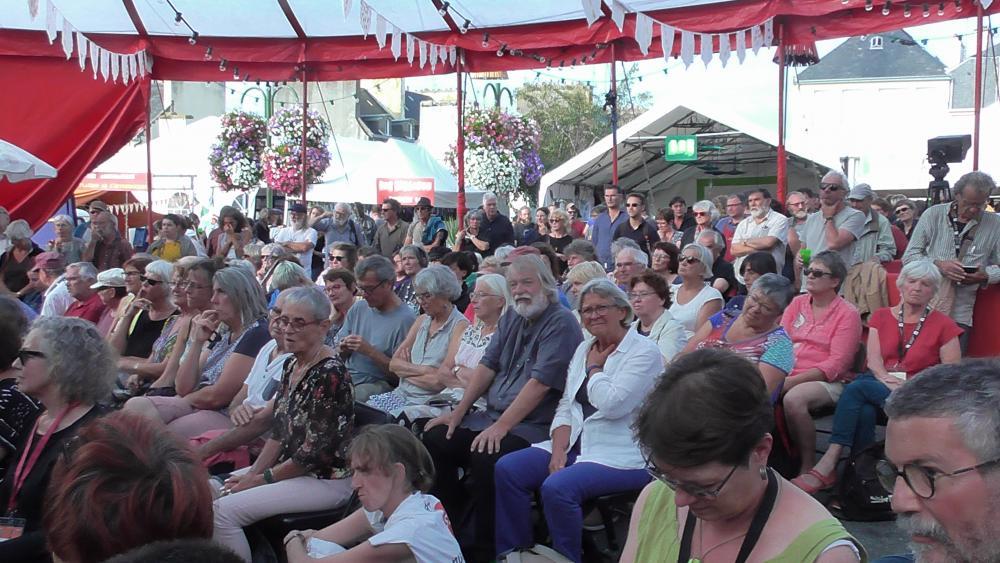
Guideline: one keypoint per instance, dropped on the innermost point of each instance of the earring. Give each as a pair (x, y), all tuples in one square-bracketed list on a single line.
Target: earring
[(763, 473)]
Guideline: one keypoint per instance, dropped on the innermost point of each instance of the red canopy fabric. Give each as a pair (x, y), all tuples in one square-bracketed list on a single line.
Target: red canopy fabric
[(67, 119)]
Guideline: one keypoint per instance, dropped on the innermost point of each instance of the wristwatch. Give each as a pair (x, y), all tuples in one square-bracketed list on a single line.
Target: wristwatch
[(454, 370)]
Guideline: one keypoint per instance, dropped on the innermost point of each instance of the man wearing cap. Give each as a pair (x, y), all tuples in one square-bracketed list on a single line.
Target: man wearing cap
[(298, 236), (338, 226), (391, 234), (427, 230), (110, 287), (50, 267), (875, 242), (106, 248), (87, 303)]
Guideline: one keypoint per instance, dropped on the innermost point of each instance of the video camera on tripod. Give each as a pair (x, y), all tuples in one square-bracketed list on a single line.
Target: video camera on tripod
[(941, 151)]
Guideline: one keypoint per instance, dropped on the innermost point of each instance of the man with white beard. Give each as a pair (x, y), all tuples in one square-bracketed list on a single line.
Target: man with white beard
[(338, 226), (942, 449), (765, 230), (298, 237), (521, 375), (797, 208)]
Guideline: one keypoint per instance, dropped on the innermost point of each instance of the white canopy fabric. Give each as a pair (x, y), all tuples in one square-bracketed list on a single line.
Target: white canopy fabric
[(17, 164)]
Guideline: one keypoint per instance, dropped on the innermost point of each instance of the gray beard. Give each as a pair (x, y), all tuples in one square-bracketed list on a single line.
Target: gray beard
[(985, 550), (340, 223), (531, 310)]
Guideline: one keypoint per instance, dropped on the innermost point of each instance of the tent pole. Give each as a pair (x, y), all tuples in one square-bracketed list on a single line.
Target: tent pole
[(614, 118), (305, 126), (149, 177), (460, 145), (782, 172), (979, 86)]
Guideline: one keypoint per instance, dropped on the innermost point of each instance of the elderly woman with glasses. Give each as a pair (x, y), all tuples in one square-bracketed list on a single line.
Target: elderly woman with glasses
[(70, 247), (650, 298), (64, 364), (19, 258), (433, 337), (592, 451), (221, 347), (412, 259), (145, 318), (694, 300), (467, 239), (826, 332), (665, 261), (704, 430), (755, 331), (303, 466), (906, 213), (903, 341)]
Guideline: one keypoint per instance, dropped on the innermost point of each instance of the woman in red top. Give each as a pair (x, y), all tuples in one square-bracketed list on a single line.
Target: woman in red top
[(902, 341)]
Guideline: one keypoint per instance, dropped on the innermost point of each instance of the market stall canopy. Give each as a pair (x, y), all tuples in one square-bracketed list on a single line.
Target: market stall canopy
[(729, 145), (369, 171), (122, 203)]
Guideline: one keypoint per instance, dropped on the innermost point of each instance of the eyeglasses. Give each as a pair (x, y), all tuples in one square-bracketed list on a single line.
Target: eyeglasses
[(334, 258), (476, 295), (640, 294), (423, 295), (700, 214), (632, 205), (285, 323), (554, 221), (150, 281), (596, 311), (693, 490), (689, 259), (919, 479), (830, 187), (372, 288), (24, 355), (813, 273), (902, 210)]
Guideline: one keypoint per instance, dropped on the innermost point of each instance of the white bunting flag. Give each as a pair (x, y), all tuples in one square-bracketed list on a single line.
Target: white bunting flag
[(741, 45), (643, 31), (434, 56), (95, 58), (33, 8), (149, 61), (756, 38), (366, 18), (452, 55), (705, 42), (115, 62), (67, 39), (769, 33), (347, 8), (591, 11), (133, 66), (51, 21), (409, 49), (724, 48), (666, 40), (443, 53), (396, 44), (618, 14), (422, 48), (687, 48), (81, 49), (140, 58), (380, 30), (105, 64)]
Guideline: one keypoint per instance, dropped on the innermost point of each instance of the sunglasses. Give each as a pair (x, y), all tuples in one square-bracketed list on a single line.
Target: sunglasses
[(337, 258), (700, 214), (24, 355), (384, 209), (689, 259), (632, 205), (149, 281), (902, 210), (812, 273), (830, 187)]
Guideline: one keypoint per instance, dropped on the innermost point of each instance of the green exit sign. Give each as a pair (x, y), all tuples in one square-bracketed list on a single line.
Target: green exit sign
[(680, 148)]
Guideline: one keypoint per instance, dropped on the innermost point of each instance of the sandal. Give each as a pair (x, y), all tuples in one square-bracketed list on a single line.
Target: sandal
[(825, 481)]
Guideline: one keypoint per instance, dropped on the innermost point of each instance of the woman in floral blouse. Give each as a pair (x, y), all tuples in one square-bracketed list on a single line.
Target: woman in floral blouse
[(303, 466)]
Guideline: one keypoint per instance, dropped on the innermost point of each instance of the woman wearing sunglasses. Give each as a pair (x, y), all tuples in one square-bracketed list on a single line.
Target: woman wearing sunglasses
[(906, 216), (826, 332), (704, 432), (144, 319), (65, 364), (694, 301), (902, 341)]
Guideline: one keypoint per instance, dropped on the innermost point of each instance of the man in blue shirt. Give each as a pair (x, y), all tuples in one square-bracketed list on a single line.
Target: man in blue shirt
[(605, 225)]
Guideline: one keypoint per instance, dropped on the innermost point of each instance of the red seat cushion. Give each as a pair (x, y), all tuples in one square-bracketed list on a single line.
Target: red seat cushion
[(893, 291), (983, 342)]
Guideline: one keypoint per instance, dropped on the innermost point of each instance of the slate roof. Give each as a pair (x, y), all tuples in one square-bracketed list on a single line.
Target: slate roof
[(901, 56), (963, 83)]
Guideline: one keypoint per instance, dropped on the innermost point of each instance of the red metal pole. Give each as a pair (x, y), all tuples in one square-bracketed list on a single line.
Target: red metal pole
[(979, 86), (149, 175), (782, 172), (614, 118), (305, 127), (460, 145)]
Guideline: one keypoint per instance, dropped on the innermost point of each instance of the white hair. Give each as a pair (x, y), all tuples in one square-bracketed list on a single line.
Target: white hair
[(638, 255), (919, 270), (19, 230), (840, 176), (704, 255), (489, 196), (343, 207), (87, 271), (61, 218)]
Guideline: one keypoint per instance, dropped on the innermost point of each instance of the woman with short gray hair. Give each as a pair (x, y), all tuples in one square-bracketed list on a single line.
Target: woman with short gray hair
[(694, 301), (755, 332), (467, 239), (412, 259), (70, 247), (592, 451), (19, 257), (927, 338), (432, 338)]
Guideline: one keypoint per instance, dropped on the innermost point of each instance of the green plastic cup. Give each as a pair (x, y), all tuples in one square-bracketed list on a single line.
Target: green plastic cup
[(806, 255)]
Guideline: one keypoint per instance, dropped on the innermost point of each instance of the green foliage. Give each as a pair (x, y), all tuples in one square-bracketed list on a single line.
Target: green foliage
[(569, 119)]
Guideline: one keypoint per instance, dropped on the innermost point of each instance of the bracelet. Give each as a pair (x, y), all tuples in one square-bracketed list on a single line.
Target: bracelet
[(268, 476), (298, 535)]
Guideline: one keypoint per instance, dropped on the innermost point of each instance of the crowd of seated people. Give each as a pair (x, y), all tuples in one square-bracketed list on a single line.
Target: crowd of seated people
[(529, 368)]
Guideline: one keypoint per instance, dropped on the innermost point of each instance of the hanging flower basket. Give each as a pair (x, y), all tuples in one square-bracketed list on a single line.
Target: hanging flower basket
[(235, 157), (501, 152), (282, 161)]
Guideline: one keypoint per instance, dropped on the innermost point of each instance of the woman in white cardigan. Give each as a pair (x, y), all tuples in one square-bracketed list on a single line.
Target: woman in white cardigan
[(650, 298), (592, 452)]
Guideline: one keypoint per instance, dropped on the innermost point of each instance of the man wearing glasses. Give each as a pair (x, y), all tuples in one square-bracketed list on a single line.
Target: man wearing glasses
[(835, 226), (637, 227), (942, 449), (390, 234)]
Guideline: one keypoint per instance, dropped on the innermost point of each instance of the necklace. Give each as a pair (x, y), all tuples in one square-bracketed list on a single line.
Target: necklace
[(301, 369), (701, 541)]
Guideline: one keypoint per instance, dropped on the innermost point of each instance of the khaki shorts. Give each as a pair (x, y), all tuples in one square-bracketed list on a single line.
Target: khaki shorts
[(834, 389)]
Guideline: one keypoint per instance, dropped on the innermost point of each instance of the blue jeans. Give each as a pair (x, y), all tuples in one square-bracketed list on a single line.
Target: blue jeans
[(519, 474), (857, 412)]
